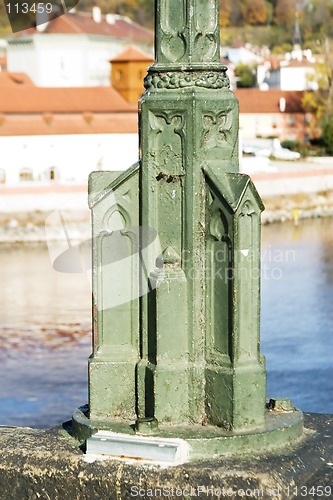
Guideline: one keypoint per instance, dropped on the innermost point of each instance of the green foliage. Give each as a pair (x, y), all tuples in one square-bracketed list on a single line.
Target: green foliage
[(246, 75), (284, 13), (256, 35), (320, 102), (278, 16), (141, 11), (293, 145), (270, 12), (327, 134), (225, 13), (315, 17), (309, 148), (4, 22), (255, 12), (281, 49)]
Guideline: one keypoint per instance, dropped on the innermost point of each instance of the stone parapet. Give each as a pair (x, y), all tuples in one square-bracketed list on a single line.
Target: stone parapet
[(48, 464)]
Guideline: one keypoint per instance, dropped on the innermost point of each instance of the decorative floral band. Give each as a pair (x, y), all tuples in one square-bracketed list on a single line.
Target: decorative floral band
[(182, 79)]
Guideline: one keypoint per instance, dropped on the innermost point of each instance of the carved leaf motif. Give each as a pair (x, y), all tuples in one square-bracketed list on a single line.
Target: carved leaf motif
[(171, 25), (173, 47), (176, 121), (206, 15), (216, 226), (205, 46), (167, 145), (172, 19), (157, 122), (115, 221), (247, 208), (207, 121), (206, 32), (218, 129)]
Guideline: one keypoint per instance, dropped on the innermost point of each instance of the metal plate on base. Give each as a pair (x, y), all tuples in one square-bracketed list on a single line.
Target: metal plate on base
[(121, 446)]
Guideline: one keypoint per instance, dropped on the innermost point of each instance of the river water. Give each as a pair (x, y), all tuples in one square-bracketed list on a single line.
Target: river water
[(297, 312), (45, 326)]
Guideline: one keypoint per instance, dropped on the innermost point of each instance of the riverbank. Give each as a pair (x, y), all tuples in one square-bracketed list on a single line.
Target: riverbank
[(296, 190), (38, 213), (43, 212), (281, 208), (38, 226)]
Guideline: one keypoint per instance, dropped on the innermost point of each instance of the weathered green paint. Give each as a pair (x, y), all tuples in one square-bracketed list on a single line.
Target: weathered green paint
[(204, 210), (114, 204), (187, 352), (281, 428), (235, 371)]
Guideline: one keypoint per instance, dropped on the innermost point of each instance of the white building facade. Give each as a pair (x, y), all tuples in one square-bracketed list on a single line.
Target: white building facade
[(63, 60), (63, 158), (74, 50), (296, 75)]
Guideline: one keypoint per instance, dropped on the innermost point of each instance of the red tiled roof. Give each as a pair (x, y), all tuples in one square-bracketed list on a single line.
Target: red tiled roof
[(29, 110), (14, 80), (132, 53), (225, 61), (297, 64), (31, 99), (268, 101), (78, 123), (83, 22), (273, 61)]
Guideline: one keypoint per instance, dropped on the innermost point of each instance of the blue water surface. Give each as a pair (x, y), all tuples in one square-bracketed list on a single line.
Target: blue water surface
[(45, 337), (297, 313)]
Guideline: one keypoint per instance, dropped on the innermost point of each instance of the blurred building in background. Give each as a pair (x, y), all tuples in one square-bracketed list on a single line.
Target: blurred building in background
[(62, 134), (69, 90), (273, 113), (128, 71), (60, 116), (74, 50)]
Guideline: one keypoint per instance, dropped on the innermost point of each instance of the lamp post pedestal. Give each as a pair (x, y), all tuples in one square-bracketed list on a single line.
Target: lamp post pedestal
[(176, 313)]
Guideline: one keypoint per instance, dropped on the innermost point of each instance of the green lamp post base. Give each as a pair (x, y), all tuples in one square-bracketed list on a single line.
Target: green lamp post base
[(283, 427), (176, 322)]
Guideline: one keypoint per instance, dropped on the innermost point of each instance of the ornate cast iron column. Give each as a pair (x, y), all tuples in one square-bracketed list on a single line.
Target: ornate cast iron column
[(181, 356)]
